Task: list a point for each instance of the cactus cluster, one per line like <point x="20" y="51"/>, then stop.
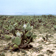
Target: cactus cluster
<point x="23" y="38"/>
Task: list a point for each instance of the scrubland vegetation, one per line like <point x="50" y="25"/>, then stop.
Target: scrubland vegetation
<point x="17" y="32"/>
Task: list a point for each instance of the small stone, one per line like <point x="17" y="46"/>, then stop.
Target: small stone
<point x="47" y="43"/>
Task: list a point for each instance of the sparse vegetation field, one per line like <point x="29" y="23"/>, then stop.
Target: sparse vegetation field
<point x="28" y="35"/>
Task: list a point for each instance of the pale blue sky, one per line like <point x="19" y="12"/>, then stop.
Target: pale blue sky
<point x="24" y="7"/>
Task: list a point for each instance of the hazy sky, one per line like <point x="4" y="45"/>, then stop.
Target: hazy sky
<point x="13" y="7"/>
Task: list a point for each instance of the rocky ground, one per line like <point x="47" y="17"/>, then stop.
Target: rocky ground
<point x="40" y="47"/>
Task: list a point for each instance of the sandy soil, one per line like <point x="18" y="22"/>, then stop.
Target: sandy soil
<point x="40" y="47"/>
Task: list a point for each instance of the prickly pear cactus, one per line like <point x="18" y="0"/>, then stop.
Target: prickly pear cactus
<point x="17" y="40"/>
<point x="28" y="34"/>
<point x="23" y="38"/>
<point x="15" y="46"/>
<point x="28" y="27"/>
<point x="7" y="37"/>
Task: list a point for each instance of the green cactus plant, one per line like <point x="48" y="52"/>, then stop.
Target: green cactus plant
<point x="22" y="38"/>
<point x="15" y="46"/>
<point x="28" y="28"/>
<point x="7" y="37"/>
<point x="27" y="34"/>
<point x="17" y="40"/>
